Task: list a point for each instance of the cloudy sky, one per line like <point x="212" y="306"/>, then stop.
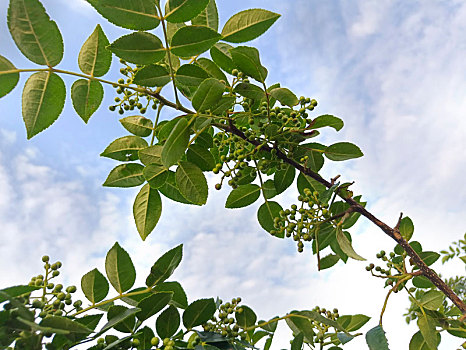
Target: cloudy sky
<point x="394" y="71"/>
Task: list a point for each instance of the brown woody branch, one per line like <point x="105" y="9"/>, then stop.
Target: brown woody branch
<point x="391" y="232"/>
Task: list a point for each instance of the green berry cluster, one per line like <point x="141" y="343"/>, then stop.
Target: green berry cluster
<point x="321" y="335"/>
<point x="303" y="223"/>
<point x="235" y="157"/>
<point x="130" y="99"/>
<point x="392" y="272"/>
<point x="224" y="322"/>
<point x="54" y="298"/>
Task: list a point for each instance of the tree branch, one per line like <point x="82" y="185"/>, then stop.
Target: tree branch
<point x="392" y="233"/>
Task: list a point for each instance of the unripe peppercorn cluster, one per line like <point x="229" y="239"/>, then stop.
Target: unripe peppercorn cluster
<point x="54" y="297"/>
<point x="393" y="272"/>
<point x="303" y="223"/>
<point x="224" y="322"/>
<point x="130" y="99"/>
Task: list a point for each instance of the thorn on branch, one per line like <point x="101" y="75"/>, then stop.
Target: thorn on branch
<point x="332" y="181"/>
<point x="397" y="227"/>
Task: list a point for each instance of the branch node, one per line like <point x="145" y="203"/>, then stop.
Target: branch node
<point x="397" y="226"/>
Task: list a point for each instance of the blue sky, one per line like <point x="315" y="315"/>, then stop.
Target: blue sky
<point x="394" y="71"/>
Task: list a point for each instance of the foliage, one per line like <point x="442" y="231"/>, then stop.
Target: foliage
<point x="255" y="136"/>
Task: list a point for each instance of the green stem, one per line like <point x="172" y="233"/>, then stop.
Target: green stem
<point x="172" y="74"/>
<point x="93" y="306"/>
<point x="155" y="124"/>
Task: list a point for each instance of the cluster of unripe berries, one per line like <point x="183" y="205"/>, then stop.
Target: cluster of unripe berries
<point x="301" y="223"/>
<point x="393" y="262"/>
<point x="235" y="155"/>
<point x="224" y="323"/>
<point x="322" y="328"/>
<point x="54" y="297"/>
<point x="130" y="99"/>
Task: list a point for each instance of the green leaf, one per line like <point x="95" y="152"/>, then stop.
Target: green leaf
<point x="376" y="339"/>
<point x="7" y="81"/>
<point x="297" y="343"/>
<point x="118" y="317"/>
<point x="179" y="298"/>
<point x="176" y="144"/>
<point x="427" y="327"/>
<point x="344" y="338"/>
<point x="247" y="60"/>
<point x="184" y="10"/>
<point x="266" y="213"/>
<point x="151" y="154"/>
<point x="299" y="324"/>
<point x="284" y="178"/>
<point x="221" y="55"/>
<point x="192" y="183"/>
<point x="211" y="68"/>
<point x="87" y="96"/>
<point x="164" y="266"/>
<point x="139" y="48"/>
<point x="308" y="182"/>
<point x="168" y="322"/>
<point x="130" y="14"/>
<point x="406" y="228"/>
<point x="125" y="319"/>
<point x="65" y="324"/>
<point x="119" y="268"/>
<point x="327" y="120"/>
<point x="125" y="148"/>
<point x="94" y="59"/>
<point x="137" y="125"/>
<point x="225" y="103"/>
<point x="432" y="300"/>
<point x="145" y="336"/>
<point x="346" y="246"/>
<point x="208" y="17"/>
<point x="284" y="96"/>
<point x="43" y="100"/>
<point x="250" y="91"/>
<point x="153" y="304"/>
<point x="429" y="257"/>
<point x="34" y="33"/>
<point x="95" y="286"/>
<point x="198" y="312"/>
<point x="328" y="261"/>
<point x="152" y="75"/>
<point x="246" y="318"/>
<point x="201" y="157"/>
<point x="342" y="151"/>
<point x="243" y="196"/>
<point x="147" y="209"/>
<point x="247" y="25"/>
<point x="16" y="291"/>
<point x="156" y="175"/>
<point x="188" y="78"/>
<point x="418" y="343"/>
<point x="422" y="282"/>
<point x="269" y="189"/>
<point x="353" y="322"/>
<point x="170" y="189"/>
<point x="193" y="40"/>
<point x="208" y="94"/>
<point x="313" y="152"/>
